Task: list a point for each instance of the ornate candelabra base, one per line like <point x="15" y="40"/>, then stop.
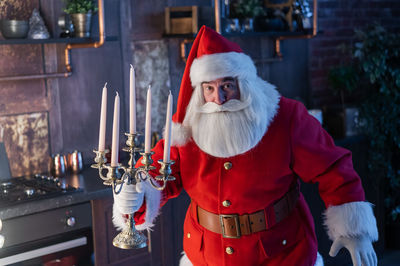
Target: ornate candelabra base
<point x="130" y="238"/>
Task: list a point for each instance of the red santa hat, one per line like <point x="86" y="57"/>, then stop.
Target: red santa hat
<point x="211" y="57"/>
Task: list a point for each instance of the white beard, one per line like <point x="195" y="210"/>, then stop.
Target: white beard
<point x="236" y="126"/>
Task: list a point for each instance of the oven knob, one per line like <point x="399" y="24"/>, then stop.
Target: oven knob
<point x="1" y="241"/>
<point x="71" y="221"/>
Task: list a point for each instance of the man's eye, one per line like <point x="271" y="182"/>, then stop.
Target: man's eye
<point x="228" y="86"/>
<point x="209" y="88"/>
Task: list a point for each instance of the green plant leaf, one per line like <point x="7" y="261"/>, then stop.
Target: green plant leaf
<point x="376" y="55"/>
<point x="79" y="6"/>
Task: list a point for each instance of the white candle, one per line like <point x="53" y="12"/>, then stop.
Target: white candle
<point x="168" y="120"/>
<point x="115" y="134"/>
<point x="132" y="101"/>
<point x="147" y="135"/>
<point x="103" y="119"/>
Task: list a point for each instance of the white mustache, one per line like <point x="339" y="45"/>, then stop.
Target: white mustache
<point x="230" y="106"/>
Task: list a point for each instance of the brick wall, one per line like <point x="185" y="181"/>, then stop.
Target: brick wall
<point x="337" y="20"/>
<point x="40" y="117"/>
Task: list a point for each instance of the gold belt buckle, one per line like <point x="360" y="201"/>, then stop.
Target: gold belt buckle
<point x="237" y="224"/>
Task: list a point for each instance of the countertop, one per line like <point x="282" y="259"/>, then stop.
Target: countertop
<point x="88" y="180"/>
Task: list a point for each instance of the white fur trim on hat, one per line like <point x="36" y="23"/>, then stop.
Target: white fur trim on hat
<point x="153" y="200"/>
<point x="184" y="261"/>
<point x="215" y="66"/>
<point x="351" y="220"/>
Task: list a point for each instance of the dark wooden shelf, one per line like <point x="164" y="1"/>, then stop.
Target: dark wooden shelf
<point x="54" y="40"/>
<point x="184" y="36"/>
<point x="271" y="34"/>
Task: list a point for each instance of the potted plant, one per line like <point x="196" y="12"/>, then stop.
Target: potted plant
<point x="341" y="119"/>
<point x="247" y="11"/>
<point x="378" y="58"/>
<point x="15" y="19"/>
<point x="375" y="69"/>
<point x="81" y="14"/>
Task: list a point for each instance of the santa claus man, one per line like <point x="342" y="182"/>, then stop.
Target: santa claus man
<point x="240" y="149"/>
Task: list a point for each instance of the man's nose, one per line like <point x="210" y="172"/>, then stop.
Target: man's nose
<point x="220" y="97"/>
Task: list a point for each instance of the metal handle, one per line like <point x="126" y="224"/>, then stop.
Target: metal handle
<point x="1" y="241"/>
<point x="43" y="251"/>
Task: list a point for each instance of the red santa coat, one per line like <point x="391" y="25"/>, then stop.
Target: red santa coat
<point x="295" y="145"/>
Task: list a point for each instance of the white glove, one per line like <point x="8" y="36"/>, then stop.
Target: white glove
<point x="129" y="199"/>
<point x="360" y="248"/>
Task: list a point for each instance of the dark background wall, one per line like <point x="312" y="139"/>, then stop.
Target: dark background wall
<point x="337" y="21"/>
<point x="66" y="108"/>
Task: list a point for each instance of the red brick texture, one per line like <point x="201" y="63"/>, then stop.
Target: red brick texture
<point x="337" y="20"/>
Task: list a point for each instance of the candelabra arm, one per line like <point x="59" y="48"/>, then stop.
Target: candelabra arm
<point x="102" y="176"/>
<point x="156" y="185"/>
<point x="115" y="189"/>
<point x="100" y="158"/>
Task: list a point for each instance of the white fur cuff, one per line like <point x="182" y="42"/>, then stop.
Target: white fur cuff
<point x="153" y="200"/>
<point x="351" y="220"/>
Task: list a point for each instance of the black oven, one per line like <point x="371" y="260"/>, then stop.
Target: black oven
<point x="56" y="237"/>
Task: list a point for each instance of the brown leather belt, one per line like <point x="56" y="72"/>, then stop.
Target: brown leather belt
<point x="234" y="225"/>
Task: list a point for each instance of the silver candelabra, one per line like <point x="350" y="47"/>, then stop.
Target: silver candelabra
<point x="118" y="176"/>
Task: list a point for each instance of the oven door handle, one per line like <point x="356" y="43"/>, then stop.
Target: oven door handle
<point x="43" y="251"/>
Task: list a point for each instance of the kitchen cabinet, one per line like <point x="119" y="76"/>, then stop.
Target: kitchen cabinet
<point x="104" y="232"/>
<point x="165" y="245"/>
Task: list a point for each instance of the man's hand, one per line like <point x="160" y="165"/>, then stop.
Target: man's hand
<point x="129" y="199"/>
<point x="360" y="248"/>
